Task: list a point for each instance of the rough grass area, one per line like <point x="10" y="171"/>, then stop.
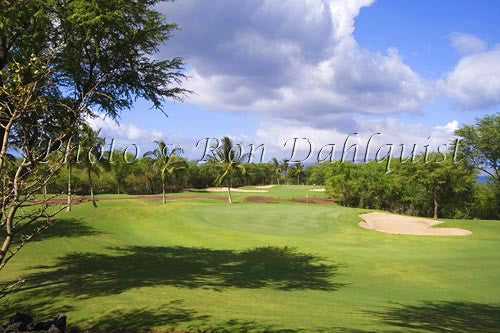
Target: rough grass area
<point x="264" y="267"/>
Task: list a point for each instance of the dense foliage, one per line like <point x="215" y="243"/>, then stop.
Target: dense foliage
<point x="444" y="189"/>
<point x="440" y="188"/>
<point x="432" y="184"/>
<point x="61" y="62"/>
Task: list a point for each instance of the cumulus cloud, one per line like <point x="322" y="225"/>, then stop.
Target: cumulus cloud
<point x="127" y="132"/>
<point x="124" y="135"/>
<point x="296" y="60"/>
<point x="129" y="135"/>
<point x="450" y="127"/>
<point x="383" y="131"/>
<point x="297" y="64"/>
<point x="467" y="43"/>
<point x="475" y="81"/>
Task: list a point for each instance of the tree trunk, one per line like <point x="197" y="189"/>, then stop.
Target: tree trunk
<point x="163" y="192"/>
<point x="436" y="207"/>
<point x="9" y="235"/>
<point x="92" y="197"/>
<point x="9" y="221"/>
<point x="68" y="209"/>
<point x="229" y="197"/>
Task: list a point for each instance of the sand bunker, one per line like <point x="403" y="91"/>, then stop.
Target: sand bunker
<point x="264" y="186"/>
<point x="317" y="190"/>
<point x="405" y="225"/>
<point x="224" y="189"/>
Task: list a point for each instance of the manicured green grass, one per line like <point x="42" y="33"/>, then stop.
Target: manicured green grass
<point x="277" y="191"/>
<point x="264" y="267"/>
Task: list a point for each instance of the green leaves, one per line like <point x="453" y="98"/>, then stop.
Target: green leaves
<point x="164" y="162"/>
<point x="412" y="188"/>
<point x="228" y="157"/>
<point x="106" y="49"/>
<point x="480" y="144"/>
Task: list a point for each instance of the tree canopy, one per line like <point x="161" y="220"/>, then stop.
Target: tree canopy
<point x="480" y="144"/>
<point x="61" y="62"/>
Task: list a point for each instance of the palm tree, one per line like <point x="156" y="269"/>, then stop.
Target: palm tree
<point x="229" y="162"/>
<point x="166" y="164"/>
<point x="93" y="162"/>
<point x="276" y="168"/>
<point x="119" y="167"/>
<point x="284" y="168"/>
<point x="297" y="170"/>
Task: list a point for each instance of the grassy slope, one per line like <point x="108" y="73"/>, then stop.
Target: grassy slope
<point x="244" y="267"/>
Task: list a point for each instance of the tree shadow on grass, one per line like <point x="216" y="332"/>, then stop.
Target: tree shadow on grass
<point x="63" y="228"/>
<point x="144" y="319"/>
<point x="434" y="317"/>
<point x="170" y="315"/>
<point x="444" y="317"/>
<point x="242" y="326"/>
<point x="91" y="274"/>
<point x="139" y="320"/>
<point x="41" y="310"/>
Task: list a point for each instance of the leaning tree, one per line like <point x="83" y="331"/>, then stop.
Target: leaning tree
<point x="166" y="163"/>
<point x="61" y="62"/>
<point x="228" y="157"/>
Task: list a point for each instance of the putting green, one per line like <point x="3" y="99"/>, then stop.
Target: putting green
<point x="267" y="219"/>
<point x="263" y="267"/>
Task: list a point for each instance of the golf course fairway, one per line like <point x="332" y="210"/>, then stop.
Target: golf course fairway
<point x="203" y="264"/>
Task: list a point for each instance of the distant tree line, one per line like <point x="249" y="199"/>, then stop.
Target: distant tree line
<point x="445" y="189"/>
<point x="149" y="174"/>
<point x="431" y="184"/>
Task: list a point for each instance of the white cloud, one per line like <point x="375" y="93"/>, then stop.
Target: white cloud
<point x="466" y="43"/>
<point x="124" y="133"/>
<point x="127" y="134"/>
<point x="450" y="127"/>
<point x="291" y="59"/>
<point x="392" y="131"/>
<point x="297" y="64"/>
<point x="475" y="81"/>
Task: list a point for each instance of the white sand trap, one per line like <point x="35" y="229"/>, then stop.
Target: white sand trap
<point x="405" y="225"/>
<point x="317" y="190"/>
<point x="224" y="189"/>
<point x="264" y="186"/>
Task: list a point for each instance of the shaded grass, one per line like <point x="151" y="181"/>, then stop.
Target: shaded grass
<point x="92" y="275"/>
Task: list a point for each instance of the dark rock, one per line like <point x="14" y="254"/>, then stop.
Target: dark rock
<point x="20" y="318"/>
<point x="20" y="323"/>
<point x="42" y="325"/>
<point x="16" y="327"/>
<point x="60" y="322"/>
<point x="54" y="329"/>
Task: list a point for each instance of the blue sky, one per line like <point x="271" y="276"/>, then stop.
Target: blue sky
<point x="264" y="71"/>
